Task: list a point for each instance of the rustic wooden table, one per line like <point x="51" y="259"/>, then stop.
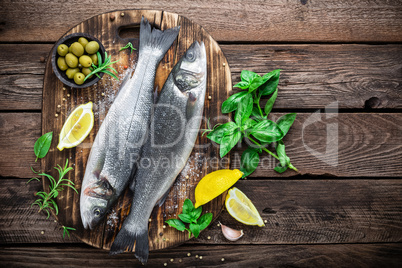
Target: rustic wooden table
<point x="343" y="212"/>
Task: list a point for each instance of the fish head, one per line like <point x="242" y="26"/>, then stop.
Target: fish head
<point x="95" y="201"/>
<point x="191" y="71"/>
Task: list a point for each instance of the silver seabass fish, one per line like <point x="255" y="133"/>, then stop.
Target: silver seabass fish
<point x="174" y="129"/>
<point x="119" y="140"/>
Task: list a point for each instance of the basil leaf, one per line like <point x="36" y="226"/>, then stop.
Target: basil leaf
<point x="175" y="223"/>
<point x="256" y="83"/>
<point x="256" y="113"/>
<point x="195" y="229"/>
<point x="187" y="206"/>
<point x="42" y="145"/>
<point x="195" y="214"/>
<point x="248" y="76"/>
<point x="205" y="220"/>
<point x="280" y="151"/>
<point x="230" y="104"/>
<point x="244" y="109"/>
<point x="249" y="161"/>
<point x="285" y="122"/>
<point x="249" y="123"/>
<point x="271" y="84"/>
<point x="218" y="133"/>
<point x="242" y="85"/>
<point x="280" y="169"/>
<point x="228" y="142"/>
<point x="270" y="102"/>
<point x="267" y="131"/>
<point x="185" y="217"/>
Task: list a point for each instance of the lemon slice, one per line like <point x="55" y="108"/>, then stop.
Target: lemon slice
<point x="214" y="184"/>
<point x="77" y="126"/>
<point x="242" y="209"/>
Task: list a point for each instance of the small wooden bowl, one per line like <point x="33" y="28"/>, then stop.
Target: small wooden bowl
<point x="61" y="75"/>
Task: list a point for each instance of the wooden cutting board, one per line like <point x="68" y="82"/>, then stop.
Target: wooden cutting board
<point x="57" y="99"/>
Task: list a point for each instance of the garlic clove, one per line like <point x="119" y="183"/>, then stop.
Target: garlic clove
<point x="231" y="234"/>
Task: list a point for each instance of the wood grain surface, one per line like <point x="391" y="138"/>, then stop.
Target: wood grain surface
<point x="218" y="85"/>
<point x="234" y="21"/>
<point x="342" y="255"/>
<point x="313" y="75"/>
<point x="369" y="145"/>
<point x="297" y="212"/>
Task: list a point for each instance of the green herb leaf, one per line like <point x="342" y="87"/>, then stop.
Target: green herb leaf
<point x="205" y="220"/>
<point x="285" y="122"/>
<point x="129" y="45"/>
<point x="195" y="229"/>
<point x="248" y="76"/>
<point x="195" y="214"/>
<point x="256" y="114"/>
<point x="249" y="161"/>
<point x="256" y="83"/>
<point x="176" y="223"/>
<point x="104" y="67"/>
<point x="185" y="218"/>
<point x="280" y="150"/>
<point x="245" y="107"/>
<point x="249" y="123"/>
<point x="228" y="142"/>
<point x="270" y="102"/>
<point x="42" y="145"/>
<point x="272" y="83"/>
<point x="242" y="85"/>
<point x="280" y="169"/>
<point x="187" y="206"/>
<point x="223" y="130"/>
<point x="231" y="103"/>
<point x="267" y="131"/>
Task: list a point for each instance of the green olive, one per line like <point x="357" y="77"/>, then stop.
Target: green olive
<point x="79" y="78"/>
<point x="71" y="60"/>
<point x="94" y="58"/>
<point x="62" y="50"/>
<point x="86" y="71"/>
<point x="85" y="61"/>
<point x="79" y="64"/>
<point x="92" y="47"/>
<point x="61" y="63"/>
<point x="70" y="49"/>
<point x="71" y="72"/>
<point x="83" y="41"/>
<point x="77" y="49"/>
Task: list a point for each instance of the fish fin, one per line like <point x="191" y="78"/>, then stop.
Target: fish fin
<point x="125" y="241"/>
<point x="163" y="198"/>
<point x="156" y="39"/>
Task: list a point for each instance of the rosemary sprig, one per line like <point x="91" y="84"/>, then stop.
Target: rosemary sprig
<point x="46" y="200"/>
<point x="66" y="230"/>
<point x="129" y="45"/>
<point x="103" y="67"/>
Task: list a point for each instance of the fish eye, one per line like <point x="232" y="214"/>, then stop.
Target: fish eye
<point x="190" y="56"/>
<point x="97" y="212"/>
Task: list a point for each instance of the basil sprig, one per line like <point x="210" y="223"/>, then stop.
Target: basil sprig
<point x="191" y="216"/>
<point x="251" y="122"/>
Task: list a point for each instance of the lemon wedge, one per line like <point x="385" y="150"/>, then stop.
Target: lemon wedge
<point x="77" y="126"/>
<point x="214" y="184"/>
<point x="242" y="209"/>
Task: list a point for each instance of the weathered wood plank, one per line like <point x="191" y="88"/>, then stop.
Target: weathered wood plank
<point x="297" y="212"/>
<point x="280" y="20"/>
<point x="18" y="133"/>
<point x="349" y="255"/>
<point x="369" y="144"/>
<point x="343" y="145"/>
<point x="312" y="75"/>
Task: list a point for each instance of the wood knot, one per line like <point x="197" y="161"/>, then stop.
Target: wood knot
<point x="372" y="103"/>
<point x="303" y="2"/>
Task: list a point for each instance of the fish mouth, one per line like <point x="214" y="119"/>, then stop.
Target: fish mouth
<point x="87" y="224"/>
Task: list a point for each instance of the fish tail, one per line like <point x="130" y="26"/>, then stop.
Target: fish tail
<point x="156" y="39"/>
<point x="125" y="240"/>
